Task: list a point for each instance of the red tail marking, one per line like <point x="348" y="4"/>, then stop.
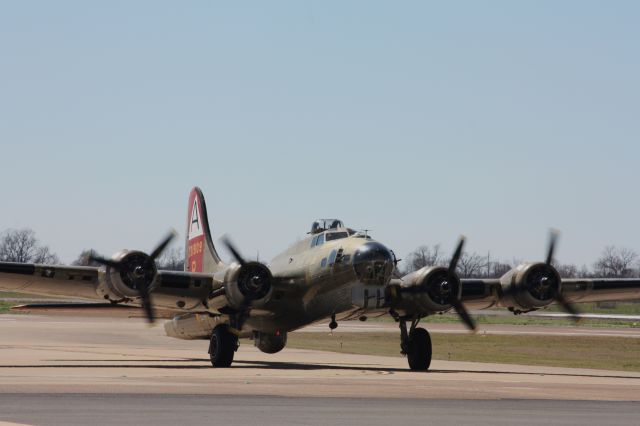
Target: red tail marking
<point x="195" y="234"/>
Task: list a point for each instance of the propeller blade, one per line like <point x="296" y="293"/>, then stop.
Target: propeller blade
<point x="456" y="302"/>
<point x="163" y="245"/>
<point x="464" y="315"/>
<point x="147" y="305"/>
<point x="553" y="239"/>
<point x="103" y="261"/>
<point x="559" y="298"/>
<point x="234" y="252"/>
<point x="237" y="320"/>
<point x="456" y="256"/>
<point x="568" y="307"/>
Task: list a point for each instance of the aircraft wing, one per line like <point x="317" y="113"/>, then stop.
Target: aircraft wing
<point x="487" y="293"/>
<point x="526" y="288"/>
<point x="176" y="291"/>
<point x="65" y="281"/>
<point x="579" y="290"/>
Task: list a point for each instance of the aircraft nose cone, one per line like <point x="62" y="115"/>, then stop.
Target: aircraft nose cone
<point x="373" y="263"/>
<point x="371" y="252"/>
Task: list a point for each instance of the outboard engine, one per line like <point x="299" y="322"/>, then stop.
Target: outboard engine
<point x="530" y="286"/>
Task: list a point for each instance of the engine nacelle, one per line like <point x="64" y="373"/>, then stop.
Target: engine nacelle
<point x="429" y="290"/>
<point x="530" y="286"/>
<point x="119" y="285"/>
<point x="248" y="284"/>
<point x="270" y="343"/>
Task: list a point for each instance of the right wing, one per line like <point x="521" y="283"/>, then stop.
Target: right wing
<point x="177" y="291"/>
<point x="57" y="281"/>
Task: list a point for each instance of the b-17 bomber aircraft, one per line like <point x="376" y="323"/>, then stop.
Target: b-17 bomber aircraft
<point x="334" y="273"/>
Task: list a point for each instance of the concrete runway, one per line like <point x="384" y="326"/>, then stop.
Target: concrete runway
<point x="60" y="370"/>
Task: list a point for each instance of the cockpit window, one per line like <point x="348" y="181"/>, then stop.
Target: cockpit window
<point x="336" y="235"/>
<point x="321" y="225"/>
<point x="317" y="240"/>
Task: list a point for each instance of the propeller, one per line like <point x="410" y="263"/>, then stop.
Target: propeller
<point x="234" y="251"/>
<point x="558" y="296"/>
<point x="456" y="302"/>
<point x="254" y="280"/>
<point x="139" y="270"/>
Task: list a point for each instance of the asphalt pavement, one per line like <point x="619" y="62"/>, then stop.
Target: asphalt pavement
<point x="142" y="410"/>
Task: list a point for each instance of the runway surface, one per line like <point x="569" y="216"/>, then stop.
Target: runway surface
<point x="152" y="410"/>
<point x="64" y="369"/>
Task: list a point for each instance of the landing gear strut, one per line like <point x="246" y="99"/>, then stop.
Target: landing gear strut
<point x="333" y="324"/>
<point x="416" y="345"/>
<point x="222" y="346"/>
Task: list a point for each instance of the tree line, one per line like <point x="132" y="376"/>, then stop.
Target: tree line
<point x="614" y="262"/>
<point x="21" y="245"/>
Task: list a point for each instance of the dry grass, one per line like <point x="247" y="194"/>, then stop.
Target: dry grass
<point x="5" y="307"/>
<point x="611" y="353"/>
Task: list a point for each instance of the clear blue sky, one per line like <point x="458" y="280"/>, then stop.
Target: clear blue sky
<point x="419" y="120"/>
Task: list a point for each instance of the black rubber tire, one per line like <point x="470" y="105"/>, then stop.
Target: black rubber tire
<point x="419" y="355"/>
<point x="222" y="347"/>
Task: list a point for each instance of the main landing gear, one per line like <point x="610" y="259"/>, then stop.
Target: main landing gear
<point x="416" y="345"/>
<point x="223" y="346"/>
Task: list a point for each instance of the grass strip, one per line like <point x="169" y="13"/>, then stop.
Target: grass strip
<point x="451" y="318"/>
<point x="609" y="353"/>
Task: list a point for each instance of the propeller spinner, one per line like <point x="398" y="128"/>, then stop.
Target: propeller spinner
<point x="139" y="270"/>
<point x="254" y="282"/>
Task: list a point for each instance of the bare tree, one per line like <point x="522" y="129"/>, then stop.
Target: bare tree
<point x="566" y="270"/>
<point x="584" y="272"/>
<point x="424" y="256"/>
<point x="497" y="269"/>
<point x="471" y="265"/>
<point x="615" y="262"/>
<point x="172" y="260"/>
<point x="21" y="245"/>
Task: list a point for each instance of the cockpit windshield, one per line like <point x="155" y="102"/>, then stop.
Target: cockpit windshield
<point x="330" y="236"/>
<point x="321" y="225"/>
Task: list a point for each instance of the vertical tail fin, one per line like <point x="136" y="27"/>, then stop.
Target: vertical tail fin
<point x="200" y="253"/>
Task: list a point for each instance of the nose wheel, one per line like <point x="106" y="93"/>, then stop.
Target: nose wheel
<point x="416" y="345"/>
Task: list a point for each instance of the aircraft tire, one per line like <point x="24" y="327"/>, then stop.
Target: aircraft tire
<point x="419" y="355"/>
<point x="222" y="347"/>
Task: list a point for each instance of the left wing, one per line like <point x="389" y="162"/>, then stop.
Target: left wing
<point x="527" y="287"/>
<point x="422" y="294"/>
<point x="488" y="293"/>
